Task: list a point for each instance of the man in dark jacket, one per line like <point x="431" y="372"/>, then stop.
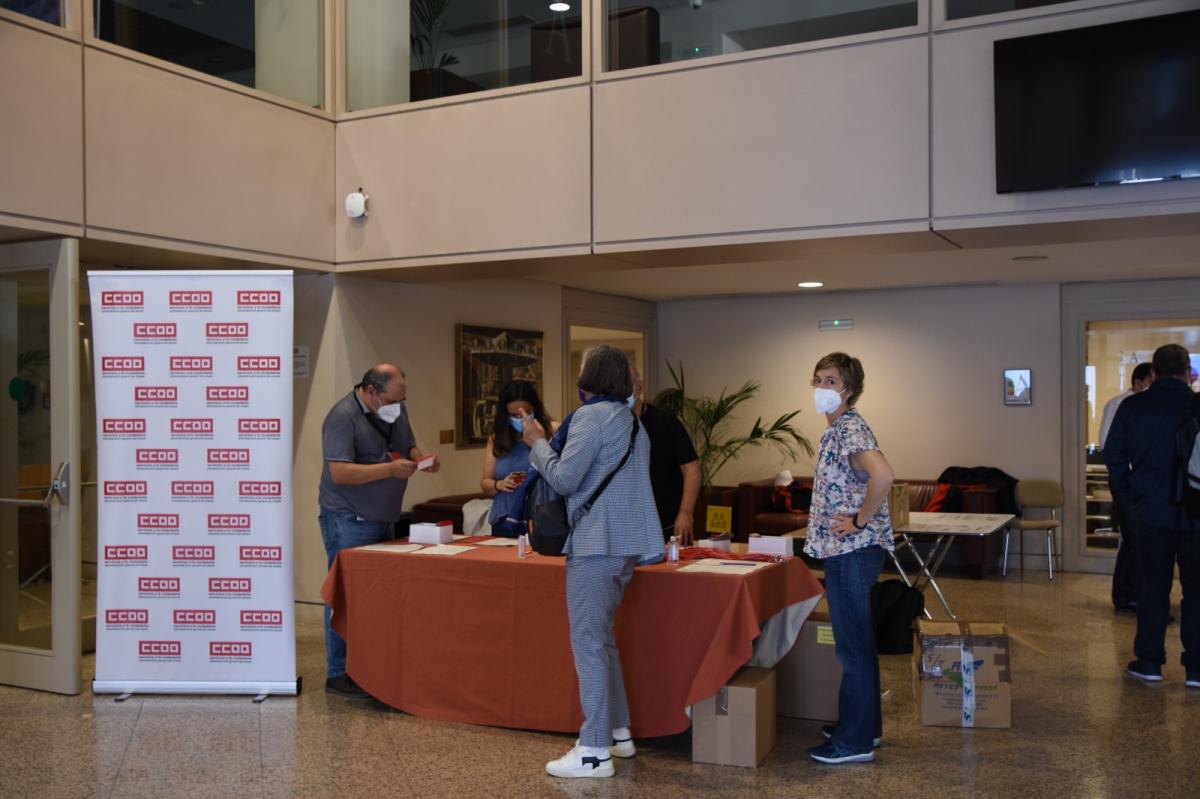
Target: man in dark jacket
<point x="1142" y="465"/>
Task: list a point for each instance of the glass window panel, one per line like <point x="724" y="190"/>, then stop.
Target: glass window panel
<point x="272" y="45"/>
<point x="960" y="9"/>
<point x="399" y="52"/>
<point x="45" y="10"/>
<point x="642" y="32"/>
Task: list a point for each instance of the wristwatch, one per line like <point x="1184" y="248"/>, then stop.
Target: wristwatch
<point x="857" y="526"/>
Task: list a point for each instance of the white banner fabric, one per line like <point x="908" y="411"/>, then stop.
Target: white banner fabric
<point x="194" y="457"/>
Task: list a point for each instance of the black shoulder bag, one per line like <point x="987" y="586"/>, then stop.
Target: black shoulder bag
<point x="549" y="527"/>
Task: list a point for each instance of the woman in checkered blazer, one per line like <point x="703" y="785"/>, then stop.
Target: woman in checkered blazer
<point x="605" y="545"/>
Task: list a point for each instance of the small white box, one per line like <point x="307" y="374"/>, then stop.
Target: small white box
<point x="719" y="543"/>
<point x="442" y="533"/>
<point x="770" y="544"/>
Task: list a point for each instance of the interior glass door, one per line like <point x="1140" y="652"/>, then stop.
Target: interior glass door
<point x="40" y="627"/>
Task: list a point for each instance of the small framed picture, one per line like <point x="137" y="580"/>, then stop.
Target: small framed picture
<point x="1018" y="387"/>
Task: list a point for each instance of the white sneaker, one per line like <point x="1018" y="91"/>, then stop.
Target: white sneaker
<point x="579" y="762"/>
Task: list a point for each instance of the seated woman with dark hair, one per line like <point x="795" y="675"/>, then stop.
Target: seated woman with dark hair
<point x="507" y="458"/>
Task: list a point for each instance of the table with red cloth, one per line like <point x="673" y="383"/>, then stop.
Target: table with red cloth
<point x="482" y="637"/>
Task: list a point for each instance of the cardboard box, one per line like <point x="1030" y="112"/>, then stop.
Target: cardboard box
<point x="440" y="533"/>
<point x="770" y="544"/>
<point x="961" y="674"/>
<point x="898" y="504"/>
<point x="719" y="542"/>
<point x="736" y="726"/>
<point x="809" y="676"/>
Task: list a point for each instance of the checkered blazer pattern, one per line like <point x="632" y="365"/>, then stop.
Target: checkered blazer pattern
<point x="624" y="520"/>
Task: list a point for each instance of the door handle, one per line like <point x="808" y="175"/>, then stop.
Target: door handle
<point x="59" y="487"/>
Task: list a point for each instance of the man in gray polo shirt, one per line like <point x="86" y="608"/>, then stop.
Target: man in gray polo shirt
<point x="369" y="452"/>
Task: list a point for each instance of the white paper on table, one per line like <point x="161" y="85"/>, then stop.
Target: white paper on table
<point x="712" y="566"/>
<point x="444" y="549"/>
<point x="390" y="547"/>
<point x="498" y="542"/>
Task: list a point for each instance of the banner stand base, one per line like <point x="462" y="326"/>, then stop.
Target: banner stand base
<point x="197" y="687"/>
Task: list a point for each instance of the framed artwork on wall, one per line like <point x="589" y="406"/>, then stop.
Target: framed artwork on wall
<point x="1018" y="387"/>
<point x="486" y="359"/>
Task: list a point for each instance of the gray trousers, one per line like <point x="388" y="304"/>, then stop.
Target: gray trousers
<point x="595" y="585"/>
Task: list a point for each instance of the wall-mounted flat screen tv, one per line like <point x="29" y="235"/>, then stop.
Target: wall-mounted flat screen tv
<point x="1110" y="104"/>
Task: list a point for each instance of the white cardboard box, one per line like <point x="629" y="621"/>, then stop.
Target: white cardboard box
<point x="431" y="533"/>
<point x="770" y="544"/>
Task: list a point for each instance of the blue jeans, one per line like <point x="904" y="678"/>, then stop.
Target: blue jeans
<point x="341" y="531"/>
<point x="848" y="581"/>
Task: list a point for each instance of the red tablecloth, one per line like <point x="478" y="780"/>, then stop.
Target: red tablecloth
<point x="482" y="637"/>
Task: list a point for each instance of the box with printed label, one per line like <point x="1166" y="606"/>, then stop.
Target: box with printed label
<point x="898" y="504"/>
<point x="962" y="675"/>
<point x="442" y="533"/>
<point x="736" y="726"/>
<point x="809" y="675"/>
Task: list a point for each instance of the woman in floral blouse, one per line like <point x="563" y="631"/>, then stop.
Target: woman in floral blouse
<point x="849" y="528"/>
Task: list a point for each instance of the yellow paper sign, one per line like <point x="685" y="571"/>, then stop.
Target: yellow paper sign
<point x="825" y="634"/>
<point x="719" y="519"/>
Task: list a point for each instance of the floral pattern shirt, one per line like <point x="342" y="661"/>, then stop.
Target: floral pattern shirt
<point x="839" y="489"/>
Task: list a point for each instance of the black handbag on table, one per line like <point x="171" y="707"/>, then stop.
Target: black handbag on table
<point x="549" y="527"/>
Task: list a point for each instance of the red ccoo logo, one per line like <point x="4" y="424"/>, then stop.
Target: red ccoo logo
<point x="190" y="299"/>
<point x="228" y="522"/>
<point x="126" y="427"/>
<point x="191" y="426"/>
<point x="191" y="488"/>
<point x="229" y="649"/>
<point x="260" y="427"/>
<point x="228" y="394"/>
<point x="262" y="618"/>
<point x="150" y="457"/>
<point x="227" y="329"/>
<point x="126" y="616"/>
<point x="158" y="521"/>
<point x="191" y="363"/>
<point x="262" y="364"/>
<point x="111" y="300"/>
<point x="260" y="298"/>
<point x="160" y="648"/>
<point x="158" y="585"/>
<point x="260" y="488"/>
<point x="128" y="553"/>
<point x="229" y="456"/>
<point x="229" y="585"/>
<point x="194" y="552"/>
<point x="189" y="617"/>
<point x="154" y="330"/>
<point x="125" y="488"/>
<point x="155" y="393"/>
<point x="261" y="554"/>
<point x="122" y="364"/>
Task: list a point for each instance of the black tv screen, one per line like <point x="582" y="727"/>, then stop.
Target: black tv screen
<point x="1115" y="103"/>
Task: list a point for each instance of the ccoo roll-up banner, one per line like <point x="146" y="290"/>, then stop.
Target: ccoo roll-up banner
<point x="194" y="438"/>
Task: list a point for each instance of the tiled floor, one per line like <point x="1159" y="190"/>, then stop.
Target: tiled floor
<point x="1080" y="729"/>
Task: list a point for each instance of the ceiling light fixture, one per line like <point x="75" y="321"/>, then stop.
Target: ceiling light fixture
<point x="560" y="6"/>
<point x="810" y="284"/>
<point x="1024" y="258"/>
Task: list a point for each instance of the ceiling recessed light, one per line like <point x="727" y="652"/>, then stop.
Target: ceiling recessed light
<point x="560" y="6"/>
<point x="1031" y="258"/>
<point x="810" y="284"/>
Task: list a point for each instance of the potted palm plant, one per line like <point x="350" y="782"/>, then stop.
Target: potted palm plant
<point x="708" y="421"/>
<point x="429" y="77"/>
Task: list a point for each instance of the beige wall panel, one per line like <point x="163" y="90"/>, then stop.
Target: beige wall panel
<point x="964" y="136"/>
<point x="816" y="139"/>
<point x="41" y="125"/>
<point x="504" y="174"/>
<point x="933" y="358"/>
<point x="363" y="321"/>
<point x="173" y="157"/>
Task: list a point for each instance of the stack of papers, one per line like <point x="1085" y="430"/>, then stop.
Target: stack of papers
<point x="499" y="542"/>
<point x="710" y="566"/>
<point x="444" y="549"/>
<point x="391" y="548"/>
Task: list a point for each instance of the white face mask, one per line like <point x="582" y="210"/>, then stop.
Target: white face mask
<point x="389" y="413"/>
<point x="827" y="400"/>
